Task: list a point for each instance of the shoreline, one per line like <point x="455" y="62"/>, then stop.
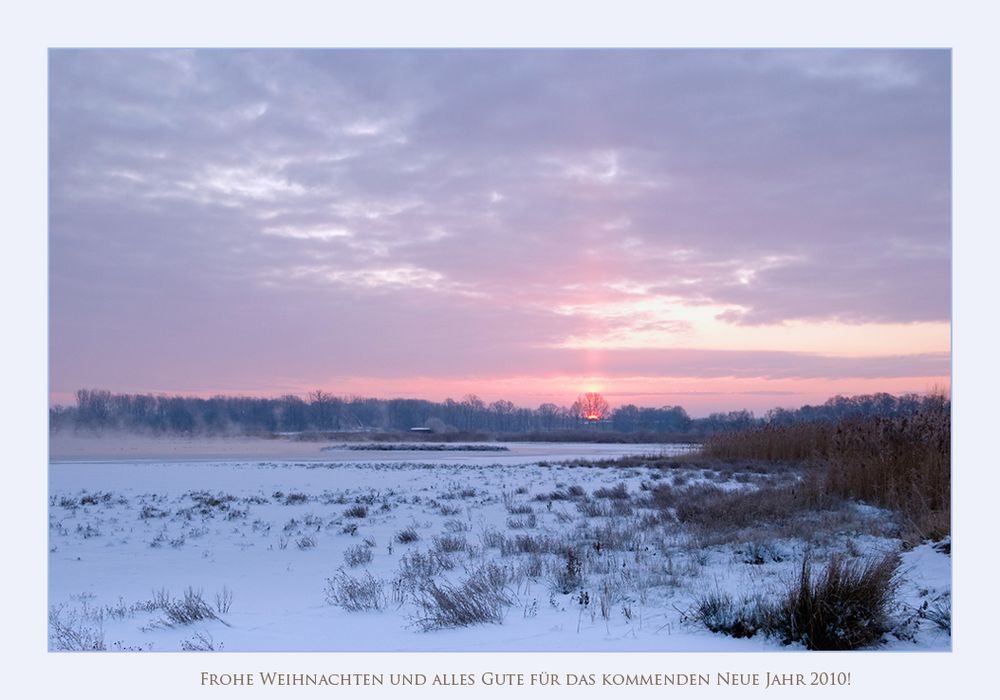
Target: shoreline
<point x="129" y="447"/>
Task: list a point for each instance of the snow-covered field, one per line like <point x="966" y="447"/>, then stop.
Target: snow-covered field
<point x="190" y="550"/>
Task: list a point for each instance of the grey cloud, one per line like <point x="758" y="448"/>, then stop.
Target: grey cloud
<point x="170" y="172"/>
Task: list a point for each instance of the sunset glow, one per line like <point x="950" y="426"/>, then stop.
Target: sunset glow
<point x="717" y="230"/>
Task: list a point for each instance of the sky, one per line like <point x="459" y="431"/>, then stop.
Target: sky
<point x="707" y="228"/>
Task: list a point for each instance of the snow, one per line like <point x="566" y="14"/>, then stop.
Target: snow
<point x="272" y="531"/>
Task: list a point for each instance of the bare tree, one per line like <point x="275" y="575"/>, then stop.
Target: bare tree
<point x="593" y="407"/>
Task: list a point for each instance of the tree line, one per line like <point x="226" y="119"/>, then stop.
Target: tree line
<point x="97" y="410"/>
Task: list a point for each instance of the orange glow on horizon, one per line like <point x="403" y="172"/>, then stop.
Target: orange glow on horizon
<point x="698" y="395"/>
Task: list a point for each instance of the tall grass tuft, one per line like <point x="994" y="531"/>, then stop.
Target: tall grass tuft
<point x="846" y="606"/>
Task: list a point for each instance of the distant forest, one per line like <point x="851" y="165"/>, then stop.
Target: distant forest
<point x="98" y="410"/>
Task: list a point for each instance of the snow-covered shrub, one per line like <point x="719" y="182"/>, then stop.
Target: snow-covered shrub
<point x="407" y="535"/>
<point x="518" y="508"/>
<point x="614" y="535"/>
<point x="416" y="568"/>
<point x="938" y="611"/>
<point x="531" y="566"/>
<point x="718" y="612"/>
<point x="609" y="595"/>
<point x="533" y="544"/>
<point x="354" y="594"/>
<point x="202" y="641"/>
<point x="356" y="511"/>
<point x="357" y="555"/>
<point x="68" y="631"/>
<point x="568" y="574"/>
<point x="618" y="491"/>
<point x="223" y="600"/>
<point x="418" y="565"/>
<point x="593" y="509"/>
<point x="456" y="526"/>
<point x="491" y="538"/>
<point x="529" y="521"/>
<point x="450" y="543"/>
<point x="482" y="597"/>
<point x="185" y="610"/>
<point x="447" y="510"/>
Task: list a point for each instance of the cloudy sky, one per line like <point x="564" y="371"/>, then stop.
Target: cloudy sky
<point x="714" y="229"/>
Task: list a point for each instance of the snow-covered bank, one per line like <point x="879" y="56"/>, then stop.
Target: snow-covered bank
<point x="266" y="543"/>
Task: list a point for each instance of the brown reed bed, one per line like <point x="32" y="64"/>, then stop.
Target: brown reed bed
<point x="773" y="443"/>
<point x="899" y="463"/>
